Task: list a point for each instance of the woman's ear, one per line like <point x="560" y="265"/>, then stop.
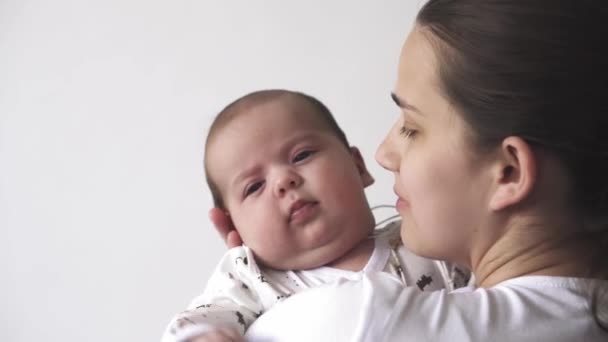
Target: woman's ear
<point x="514" y="173"/>
<point x="366" y="177"/>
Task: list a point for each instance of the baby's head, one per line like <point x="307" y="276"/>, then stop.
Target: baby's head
<point x="277" y="162"/>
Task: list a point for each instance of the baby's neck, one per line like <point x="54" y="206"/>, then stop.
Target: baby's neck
<point x="355" y="259"/>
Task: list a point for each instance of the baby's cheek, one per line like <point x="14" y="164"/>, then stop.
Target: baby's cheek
<point x="246" y="226"/>
<point x="259" y="230"/>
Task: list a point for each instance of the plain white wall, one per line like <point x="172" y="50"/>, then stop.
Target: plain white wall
<point x="104" y="106"/>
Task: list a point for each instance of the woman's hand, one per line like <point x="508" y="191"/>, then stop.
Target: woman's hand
<point x="223" y="224"/>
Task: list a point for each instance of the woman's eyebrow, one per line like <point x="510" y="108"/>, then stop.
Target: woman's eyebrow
<point x="401" y="103"/>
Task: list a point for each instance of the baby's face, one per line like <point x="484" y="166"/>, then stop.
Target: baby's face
<point x="293" y="190"/>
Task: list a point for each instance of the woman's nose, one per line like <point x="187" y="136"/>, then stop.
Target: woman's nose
<point x="285" y="181"/>
<point x="386" y="155"/>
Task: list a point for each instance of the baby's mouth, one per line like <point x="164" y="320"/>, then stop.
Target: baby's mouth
<point x="301" y="210"/>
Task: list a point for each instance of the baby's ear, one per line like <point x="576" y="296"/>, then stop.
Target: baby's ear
<point x="366" y="177"/>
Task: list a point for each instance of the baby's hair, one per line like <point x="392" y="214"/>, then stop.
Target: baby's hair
<point x="246" y="103"/>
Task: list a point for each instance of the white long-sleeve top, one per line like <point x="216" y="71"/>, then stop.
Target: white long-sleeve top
<point x="376" y="308"/>
<point x="239" y="290"/>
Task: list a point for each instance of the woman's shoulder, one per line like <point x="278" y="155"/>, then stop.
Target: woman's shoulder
<point x="543" y="282"/>
<point x="525" y="308"/>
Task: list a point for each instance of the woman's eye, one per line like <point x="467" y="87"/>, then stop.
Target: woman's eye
<point x="406" y="132"/>
<point x="253" y="188"/>
<point x="302" y="155"/>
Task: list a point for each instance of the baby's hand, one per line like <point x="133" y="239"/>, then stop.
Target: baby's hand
<point x="219" y="335"/>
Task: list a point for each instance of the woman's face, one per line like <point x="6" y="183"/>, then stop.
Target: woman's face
<point x="440" y="184"/>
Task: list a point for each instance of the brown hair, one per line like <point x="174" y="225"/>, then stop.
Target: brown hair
<point x="246" y="103"/>
<point x="534" y="69"/>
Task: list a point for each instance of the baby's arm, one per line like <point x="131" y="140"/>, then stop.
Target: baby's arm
<point x="227" y="307"/>
<point x="219" y="335"/>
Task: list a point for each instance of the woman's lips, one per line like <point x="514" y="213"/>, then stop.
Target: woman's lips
<point x="401" y="204"/>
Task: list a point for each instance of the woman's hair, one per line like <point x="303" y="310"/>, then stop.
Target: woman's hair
<point x="534" y="69"/>
<point x="246" y="103"/>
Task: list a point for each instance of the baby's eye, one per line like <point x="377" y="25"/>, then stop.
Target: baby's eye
<point x="253" y="188"/>
<point x="302" y="155"/>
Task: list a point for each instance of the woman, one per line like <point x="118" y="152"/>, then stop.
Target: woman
<point x="500" y="157"/>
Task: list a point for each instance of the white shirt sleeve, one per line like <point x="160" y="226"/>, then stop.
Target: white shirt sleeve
<point x="312" y="315"/>
<point x="229" y="299"/>
<point x="378" y="308"/>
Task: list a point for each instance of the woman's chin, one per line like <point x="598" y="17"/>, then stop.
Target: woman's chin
<point x="412" y="243"/>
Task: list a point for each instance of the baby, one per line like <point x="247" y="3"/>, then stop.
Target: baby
<point x="280" y="166"/>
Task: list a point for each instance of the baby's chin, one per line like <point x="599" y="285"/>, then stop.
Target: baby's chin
<point x="325" y="255"/>
<point x="304" y="261"/>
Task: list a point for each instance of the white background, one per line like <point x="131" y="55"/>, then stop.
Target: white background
<point x="104" y="107"/>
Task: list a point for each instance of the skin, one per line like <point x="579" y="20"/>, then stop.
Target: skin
<point x="503" y="214"/>
<point x="439" y="185"/>
<point x="279" y="154"/>
<point x="225" y="227"/>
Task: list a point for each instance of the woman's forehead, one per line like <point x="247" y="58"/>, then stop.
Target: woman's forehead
<point x="417" y="71"/>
